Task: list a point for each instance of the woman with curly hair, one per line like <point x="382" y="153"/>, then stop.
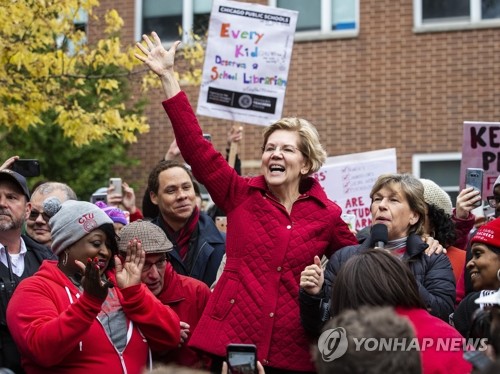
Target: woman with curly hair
<point x="450" y="227"/>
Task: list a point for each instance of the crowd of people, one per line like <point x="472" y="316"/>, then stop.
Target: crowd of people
<point x="111" y="287"/>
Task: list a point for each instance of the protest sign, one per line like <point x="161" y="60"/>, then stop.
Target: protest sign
<point x="348" y="180"/>
<point x="481" y="149"/>
<point x="246" y="62"/>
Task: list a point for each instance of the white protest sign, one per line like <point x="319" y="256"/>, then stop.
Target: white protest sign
<point x="348" y="180"/>
<point x="246" y="62"/>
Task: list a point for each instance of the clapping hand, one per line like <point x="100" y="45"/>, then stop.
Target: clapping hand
<point x="129" y="272"/>
<point x="91" y="281"/>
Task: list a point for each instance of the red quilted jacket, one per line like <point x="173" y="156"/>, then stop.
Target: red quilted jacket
<point x="256" y="298"/>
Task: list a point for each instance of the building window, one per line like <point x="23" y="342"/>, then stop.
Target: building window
<point x="167" y="18"/>
<point x="442" y="15"/>
<point x="320" y="18"/>
<point x="442" y="168"/>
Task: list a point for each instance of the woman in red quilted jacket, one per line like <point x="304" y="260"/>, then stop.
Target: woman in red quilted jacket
<point x="277" y="223"/>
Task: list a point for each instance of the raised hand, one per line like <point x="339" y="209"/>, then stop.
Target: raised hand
<point x="465" y="202"/>
<point x="91" y="281"/>
<point x="159" y="60"/>
<point x="9" y="162"/>
<point x="129" y="272"/>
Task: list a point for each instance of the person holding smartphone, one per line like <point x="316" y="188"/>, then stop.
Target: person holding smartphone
<point x="277" y="223"/>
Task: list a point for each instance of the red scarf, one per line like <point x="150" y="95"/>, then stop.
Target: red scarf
<point x="181" y="237"/>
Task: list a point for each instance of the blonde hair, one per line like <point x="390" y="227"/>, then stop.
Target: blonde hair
<point x="310" y="145"/>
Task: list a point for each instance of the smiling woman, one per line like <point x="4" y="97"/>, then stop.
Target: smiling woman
<point x="277" y="223"/>
<point x="73" y="306"/>
<point x="484" y="269"/>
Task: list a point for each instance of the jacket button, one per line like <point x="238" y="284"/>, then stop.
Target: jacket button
<point x="278" y="268"/>
<point x="232" y="301"/>
<point x="289" y="227"/>
<point x="265" y="362"/>
<point x="271" y="314"/>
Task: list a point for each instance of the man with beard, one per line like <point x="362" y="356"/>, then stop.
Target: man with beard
<point x="20" y="256"/>
<point x="198" y="245"/>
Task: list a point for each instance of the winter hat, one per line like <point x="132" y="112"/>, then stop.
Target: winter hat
<point x="152" y="237"/>
<point x="116" y="215"/>
<point x="489" y="234"/>
<point x="71" y="221"/>
<point x="17" y="179"/>
<point x="433" y="194"/>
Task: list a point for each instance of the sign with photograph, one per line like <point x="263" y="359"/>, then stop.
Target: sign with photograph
<point x="246" y="62"/>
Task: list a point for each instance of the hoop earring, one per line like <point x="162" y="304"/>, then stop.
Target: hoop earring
<point x="498" y="275"/>
<point x="66" y="255"/>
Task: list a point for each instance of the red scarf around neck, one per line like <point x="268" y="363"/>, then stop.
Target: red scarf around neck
<point x="182" y="236"/>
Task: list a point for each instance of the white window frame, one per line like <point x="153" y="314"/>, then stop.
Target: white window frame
<point x="417" y="160"/>
<point x="452" y="24"/>
<point x="187" y="20"/>
<point x="326" y="32"/>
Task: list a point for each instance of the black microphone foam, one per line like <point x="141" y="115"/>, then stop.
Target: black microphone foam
<point x="379" y="235"/>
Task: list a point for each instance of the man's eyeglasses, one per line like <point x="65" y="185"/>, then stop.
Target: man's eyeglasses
<point x="493" y="201"/>
<point x="35" y="213"/>
<point x="160" y="264"/>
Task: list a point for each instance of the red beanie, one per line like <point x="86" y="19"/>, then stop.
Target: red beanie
<point x="488" y="234"/>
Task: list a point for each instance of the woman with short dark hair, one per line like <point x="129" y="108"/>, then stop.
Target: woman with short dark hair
<point x="377" y="278"/>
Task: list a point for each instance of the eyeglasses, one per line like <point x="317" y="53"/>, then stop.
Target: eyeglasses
<point x="160" y="264"/>
<point x="286" y="149"/>
<point x="493" y="201"/>
<point x="34" y="215"/>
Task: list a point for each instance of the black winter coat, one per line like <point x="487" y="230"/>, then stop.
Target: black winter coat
<point x="434" y="276"/>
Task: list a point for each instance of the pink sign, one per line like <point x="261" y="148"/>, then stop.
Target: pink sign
<point x="481" y="149"/>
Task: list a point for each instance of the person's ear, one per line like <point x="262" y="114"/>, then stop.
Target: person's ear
<point x="153" y="197"/>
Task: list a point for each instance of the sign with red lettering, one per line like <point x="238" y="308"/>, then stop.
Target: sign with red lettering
<point x="481" y="149"/>
<point x="248" y="53"/>
<point x="348" y="180"/>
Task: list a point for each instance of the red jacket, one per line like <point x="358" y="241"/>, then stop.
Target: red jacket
<point x="56" y="329"/>
<point x="434" y="359"/>
<point x="256" y="298"/>
<point x="187" y="297"/>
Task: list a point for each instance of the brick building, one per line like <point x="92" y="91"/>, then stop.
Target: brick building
<point x="402" y="74"/>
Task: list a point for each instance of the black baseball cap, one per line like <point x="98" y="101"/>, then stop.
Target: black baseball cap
<point x="17" y="179"/>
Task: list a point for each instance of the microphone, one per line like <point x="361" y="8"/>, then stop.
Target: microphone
<point x="379" y="235"/>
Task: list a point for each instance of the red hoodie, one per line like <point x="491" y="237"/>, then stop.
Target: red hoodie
<point x="187" y="297"/>
<point x="56" y="329"/>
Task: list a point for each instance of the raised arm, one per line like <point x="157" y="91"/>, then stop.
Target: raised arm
<point x="161" y="62"/>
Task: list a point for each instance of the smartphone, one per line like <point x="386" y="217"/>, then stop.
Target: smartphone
<point x="478" y="359"/>
<point x="26" y="167"/>
<point x="474" y="178"/>
<point x="208" y="137"/>
<point x="98" y="197"/>
<point x="117" y="183"/>
<point x="242" y="358"/>
<point x="221" y="223"/>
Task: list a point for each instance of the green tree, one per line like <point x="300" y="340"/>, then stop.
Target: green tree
<point x="66" y="100"/>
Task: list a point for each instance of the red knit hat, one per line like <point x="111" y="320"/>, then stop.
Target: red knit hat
<point x="488" y="234"/>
